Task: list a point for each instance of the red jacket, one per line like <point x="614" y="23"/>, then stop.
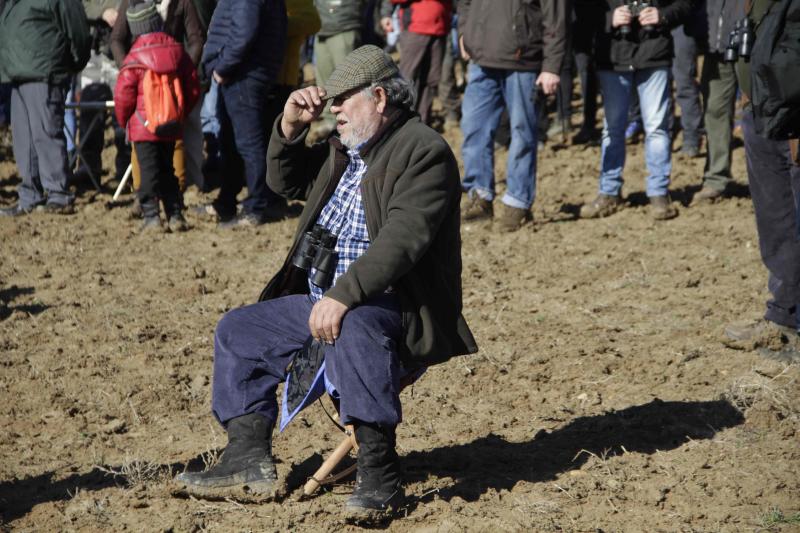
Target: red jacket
<point x="426" y="17"/>
<point x="160" y="53"/>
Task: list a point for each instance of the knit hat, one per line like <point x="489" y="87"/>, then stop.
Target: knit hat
<point x="362" y="67"/>
<point x="143" y="18"/>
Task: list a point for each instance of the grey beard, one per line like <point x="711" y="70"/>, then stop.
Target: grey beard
<point x="358" y="136"/>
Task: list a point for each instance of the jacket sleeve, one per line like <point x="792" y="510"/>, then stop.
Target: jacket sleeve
<point x="292" y="167"/>
<point x="554" y="20"/>
<point x="675" y="13"/>
<point x="422" y="196"/>
<point x="72" y="19"/>
<point x="194" y="32"/>
<point x="246" y="14"/>
<point x="121" y="35"/>
<point x="125" y="93"/>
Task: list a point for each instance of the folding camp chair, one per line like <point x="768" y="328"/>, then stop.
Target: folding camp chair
<point x="97" y="121"/>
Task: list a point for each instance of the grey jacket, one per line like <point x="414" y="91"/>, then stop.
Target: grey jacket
<point x="338" y="16"/>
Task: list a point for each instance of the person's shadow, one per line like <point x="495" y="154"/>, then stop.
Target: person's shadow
<point x="9" y="294"/>
<point x="490" y="462"/>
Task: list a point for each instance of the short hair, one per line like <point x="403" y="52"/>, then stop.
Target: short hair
<point x="399" y="92"/>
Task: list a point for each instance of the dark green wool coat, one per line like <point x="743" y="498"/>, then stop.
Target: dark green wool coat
<point x="411" y="194"/>
<point x="43" y="40"/>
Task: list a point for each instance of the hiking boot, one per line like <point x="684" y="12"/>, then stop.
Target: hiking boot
<point x="379" y="491"/>
<point x="16" y="211"/>
<point x="586" y="136"/>
<point x="690" y="149"/>
<point x="206" y="211"/>
<point x="761" y="333"/>
<point x="59" y="209"/>
<point x="246" y="471"/>
<point x="275" y="211"/>
<point x="242" y="220"/>
<point x="707" y="195"/>
<point x="177" y="223"/>
<point x="151" y="224"/>
<point x="512" y="218"/>
<point x="661" y="208"/>
<point x="136" y="209"/>
<point x="477" y="209"/>
<point x="602" y="206"/>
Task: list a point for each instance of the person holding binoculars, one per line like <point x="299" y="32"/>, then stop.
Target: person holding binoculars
<point x="374" y="273"/>
<point x="634" y="53"/>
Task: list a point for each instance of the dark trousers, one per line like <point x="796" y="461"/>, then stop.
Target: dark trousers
<point x="158" y="178"/>
<point x="584" y="62"/>
<point x="719" y="85"/>
<point x="421" y="63"/>
<point x="246" y="119"/>
<point x="687" y="90"/>
<point x="40" y="147"/>
<point x="775" y="189"/>
<point x="253" y="346"/>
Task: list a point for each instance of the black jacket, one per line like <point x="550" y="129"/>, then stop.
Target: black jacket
<point x="722" y="16"/>
<point x="528" y="35"/>
<point x="639" y="49"/>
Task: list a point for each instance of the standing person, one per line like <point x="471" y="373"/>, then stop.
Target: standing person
<point x="687" y="89"/>
<point x="634" y="54"/>
<point x="424" y="25"/>
<point x="153" y="51"/>
<point x="387" y="186"/>
<point x="244" y="53"/>
<point x="584" y="32"/>
<point x="43" y="43"/>
<point x="505" y="70"/>
<point x="773" y="170"/>
<point x="719" y="85"/>
<point x="340" y="34"/>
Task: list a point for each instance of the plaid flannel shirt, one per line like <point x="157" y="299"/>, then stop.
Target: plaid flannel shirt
<point x="344" y="216"/>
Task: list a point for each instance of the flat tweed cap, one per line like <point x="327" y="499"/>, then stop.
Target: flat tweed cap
<point x="362" y="67"/>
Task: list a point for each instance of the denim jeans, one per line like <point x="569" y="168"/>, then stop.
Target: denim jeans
<point x="488" y="92"/>
<point x="210" y="111"/>
<point x="254" y="344"/>
<point x="244" y="108"/>
<point x="653" y="88"/>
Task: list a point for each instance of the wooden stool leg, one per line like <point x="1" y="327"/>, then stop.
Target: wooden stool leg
<point x="336" y="456"/>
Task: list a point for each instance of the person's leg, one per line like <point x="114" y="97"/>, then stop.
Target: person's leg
<point x="167" y="185"/>
<point x="774" y="187"/>
<point x="687" y="90"/>
<point x="247" y="103"/>
<point x="46" y="111"/>
<point x="233" y="178"/>
<point x="363" y="365"/>
<point x="481" y="109"/>
<point x="253" y="345"/>
<point x="448" y="94"/>
<point x="518" y="88"/>
<point x="149" y="157"/>
<point x="719" y="94"/>
<point x="616" y="89"/>
<point x="30" y="189"/>
<point x="92" y="127"/>
<point x="178" y="163"/>
<point x="413" y="61"/>
<point x="329" y="52"/>
<point x="193" y="147"/>
<point x="653" y="87"/>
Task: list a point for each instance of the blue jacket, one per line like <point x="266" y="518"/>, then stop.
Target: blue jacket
<point x="246" y="38"/>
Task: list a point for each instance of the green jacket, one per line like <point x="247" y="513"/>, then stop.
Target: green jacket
<point x="43" y="40"/>
<point x="411" y="194"/>
<point x="757" y="10"/>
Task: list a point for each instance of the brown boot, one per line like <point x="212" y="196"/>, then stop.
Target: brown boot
<point x="512" y="218"/>
<point x="477" y="209"/>
<point x="602" y="206"/>
<point x="661" y="208"/>
<point x="707" y="195"/>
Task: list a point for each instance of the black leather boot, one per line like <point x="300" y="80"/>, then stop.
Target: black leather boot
<point x="379" y="490"/>
<point x="246" y="471"/>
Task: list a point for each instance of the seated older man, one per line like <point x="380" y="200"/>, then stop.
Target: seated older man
<point x="386" y="190"/>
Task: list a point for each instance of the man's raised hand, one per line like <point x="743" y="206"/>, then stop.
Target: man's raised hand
<point x="302" y="107"/>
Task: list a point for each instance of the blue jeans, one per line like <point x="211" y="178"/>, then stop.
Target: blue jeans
<point x="653" y="88"/>
<point x="210" y="111"/>
<point x="245" y="126"/>
<point x="254" y="344"/>
<point x="488" y="92"/>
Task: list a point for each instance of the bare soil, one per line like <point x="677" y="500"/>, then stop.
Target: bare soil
<point x="602" y="398"/>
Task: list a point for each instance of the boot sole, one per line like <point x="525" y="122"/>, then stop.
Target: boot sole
<point x="253" y="492"/>
<point x="367" y="517"/>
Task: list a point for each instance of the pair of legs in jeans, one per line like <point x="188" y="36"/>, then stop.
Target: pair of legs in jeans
<point x="489" y="91"/>
<point x="653" y="88"/>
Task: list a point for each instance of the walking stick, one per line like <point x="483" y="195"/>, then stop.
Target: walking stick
<point x="122" y="182"/>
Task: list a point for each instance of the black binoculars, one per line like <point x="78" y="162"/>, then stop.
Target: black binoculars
<point x="740" y="41"/>
<point x="317" y="250"/>
<point x="636" y="7"/>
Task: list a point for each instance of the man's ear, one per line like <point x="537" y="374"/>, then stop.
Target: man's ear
<point x="381" y="99"/>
